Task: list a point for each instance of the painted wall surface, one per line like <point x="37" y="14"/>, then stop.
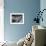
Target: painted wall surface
<point x="29" y="8"/>
<point x="43" y="6"/>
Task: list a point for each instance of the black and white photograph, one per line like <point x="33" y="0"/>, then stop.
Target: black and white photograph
<point x="16" y="18"/>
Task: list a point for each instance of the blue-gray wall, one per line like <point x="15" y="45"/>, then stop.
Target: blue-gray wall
<point x="43" y="6"/>
<point x="29" y="8"/>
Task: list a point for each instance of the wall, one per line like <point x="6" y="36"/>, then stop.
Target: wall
<point x="43" y="6"/>
<point x="29" y="8"/>
<point x="1" y="21"/>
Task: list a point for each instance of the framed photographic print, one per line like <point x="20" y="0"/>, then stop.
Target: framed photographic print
<point x="16" y="18"/>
